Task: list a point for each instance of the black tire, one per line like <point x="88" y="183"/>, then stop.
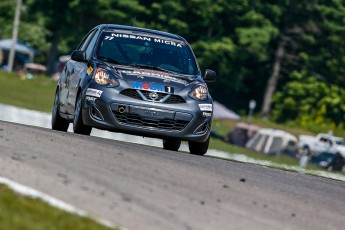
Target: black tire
<point x="170" y="144"/>
<point x="198" y="148"/>
<point x="58" y="123"/>
<point x="78" y="125"/>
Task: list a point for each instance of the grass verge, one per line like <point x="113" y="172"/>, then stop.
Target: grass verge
<point x="36" y="94"/>
<point x="20" y="212"/>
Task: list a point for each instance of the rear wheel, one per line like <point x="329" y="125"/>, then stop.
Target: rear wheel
<point x="58" y="123"/>
<point x="172" y="145"/>
<point x="198" y="148"/>
<point x="78" y="125"/>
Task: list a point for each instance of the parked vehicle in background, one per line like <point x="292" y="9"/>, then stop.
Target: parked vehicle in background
<point x="310" y="145"/>
<point x="137" y="81"/>
<point x="329" y="161"/>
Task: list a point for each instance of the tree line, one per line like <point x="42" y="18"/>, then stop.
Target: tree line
<point x="288" y="55"/>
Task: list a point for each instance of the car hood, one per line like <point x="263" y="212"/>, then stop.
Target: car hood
<point x="155" y="80"/>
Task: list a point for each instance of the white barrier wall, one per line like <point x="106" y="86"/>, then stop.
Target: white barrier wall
<point x="24" y="116"/>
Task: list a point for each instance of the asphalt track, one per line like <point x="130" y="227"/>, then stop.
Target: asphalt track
<point x="141" y="187"/>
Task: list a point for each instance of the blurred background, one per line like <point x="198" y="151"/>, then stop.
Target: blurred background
<point x="280" y="64"/>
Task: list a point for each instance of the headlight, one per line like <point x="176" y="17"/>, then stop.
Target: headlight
<point x="104" y="78"/>
<point x="200" y="92"/>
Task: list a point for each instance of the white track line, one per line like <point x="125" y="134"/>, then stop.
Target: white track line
<point x="27" y="191"/>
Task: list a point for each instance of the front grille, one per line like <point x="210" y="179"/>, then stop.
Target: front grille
<point x="175" y="99"/>
<point x="164" y="124"/>
<point x="134" y="93"/>
<point x="147" y="95"/>
<point x="131" y="93"/>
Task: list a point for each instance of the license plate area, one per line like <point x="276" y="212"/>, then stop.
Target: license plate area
<point x="151" y="113"/>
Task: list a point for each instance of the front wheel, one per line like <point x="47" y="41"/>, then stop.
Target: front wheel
<point x="172" y="145"/>
<point x="78" y="125"/>
<point x="58" y="123"/>
<point x="198" y="148"/>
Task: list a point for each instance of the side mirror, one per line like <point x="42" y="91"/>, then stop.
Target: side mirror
<point x="79" y="55"/>
<point x="210" y="75"/>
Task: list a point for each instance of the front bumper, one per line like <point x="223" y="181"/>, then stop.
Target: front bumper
<point x="120" y="113"/>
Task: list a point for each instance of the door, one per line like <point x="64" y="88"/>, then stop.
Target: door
<point x="78" y="70"/>
<point x="65" y="75"/>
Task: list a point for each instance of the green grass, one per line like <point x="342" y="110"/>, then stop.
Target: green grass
<point x="20" y="212"/>
<point x="36" y="94"/>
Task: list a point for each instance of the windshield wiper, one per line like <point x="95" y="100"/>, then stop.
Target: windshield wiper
<point x="151" y="67"/>
<point x="108" y="59"/>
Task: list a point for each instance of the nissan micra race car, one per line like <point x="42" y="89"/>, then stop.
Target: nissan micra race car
<point x="136" y="81"/>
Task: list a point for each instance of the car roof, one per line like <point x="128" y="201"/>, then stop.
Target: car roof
<point x="115" y="26"/>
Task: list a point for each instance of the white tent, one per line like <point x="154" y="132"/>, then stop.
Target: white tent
<point x="223" y="113"/>
<point x="19" y="47"/>
<point x="271" y="141"/>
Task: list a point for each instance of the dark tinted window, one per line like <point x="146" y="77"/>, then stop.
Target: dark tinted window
<point x="125" y="47"/>
<point x="91" y="45"/>
<point x="85" y="40"/>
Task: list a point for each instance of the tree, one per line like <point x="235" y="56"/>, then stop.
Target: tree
<point x="68" y="21"/>
<point x="292" y="26"/>
<point x="311" y="39"/>
<point x="254" y="46"/>
<point x="6" y="20"/>
<point x="55" y="22"/>
<point x="31" y="31"/>
<point x="306" y="101"/>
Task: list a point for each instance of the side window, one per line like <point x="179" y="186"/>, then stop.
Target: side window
<point x="85" y="40"/>
<point x="91" y="45"/>
<point x="323" y="140"/>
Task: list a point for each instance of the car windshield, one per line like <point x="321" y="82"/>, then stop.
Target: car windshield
<point x="146" y="50"/>
<point x="340" y="142"/>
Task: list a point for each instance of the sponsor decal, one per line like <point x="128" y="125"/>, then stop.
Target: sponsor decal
<point x="89" y="70"/>
<point x="131" y="36"/>
<point x="177" y="44"/>
<point x="144" y="72"/>
<point x="148" y="86"/>
<point x="90" y="98"/>
<point x="143" y="38"/>
<point x="93" y="92"/>
<point x="206" y="114"/>
<point x="205" y="107"/>
<point x="141" y="73"/>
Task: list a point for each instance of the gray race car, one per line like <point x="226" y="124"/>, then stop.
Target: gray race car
<point x="136" y="81"/>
